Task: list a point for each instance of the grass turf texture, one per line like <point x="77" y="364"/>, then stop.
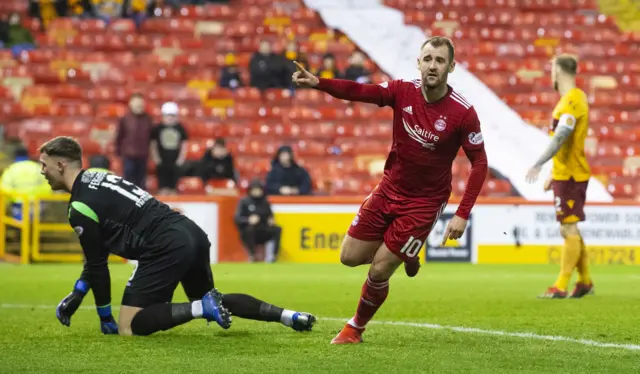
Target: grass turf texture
<point x="481" y="296"/>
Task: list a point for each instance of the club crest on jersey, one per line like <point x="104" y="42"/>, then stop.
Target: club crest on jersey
<point x="440" y="124"/>
<point x="475" y="138"/>
<point x="79" y="230"/>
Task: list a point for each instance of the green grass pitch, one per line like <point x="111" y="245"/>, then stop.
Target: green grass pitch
<point x="449" y="319"/>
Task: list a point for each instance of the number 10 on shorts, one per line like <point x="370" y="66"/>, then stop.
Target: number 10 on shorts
<point x="412" y="247"/>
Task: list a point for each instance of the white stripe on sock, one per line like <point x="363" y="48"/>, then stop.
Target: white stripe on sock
<point x="196" y="309"/>
<point x="352" y="323"/>
<point x="287" y="317"/>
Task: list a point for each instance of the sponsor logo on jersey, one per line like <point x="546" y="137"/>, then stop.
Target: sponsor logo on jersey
<point x="79" y="230"/>
<point x="425" y="137"/>
<point x="440" y="124"/>
<point x="356" y="219"/>
<point x="475" y="138"/>
<point x="408" y="109"/>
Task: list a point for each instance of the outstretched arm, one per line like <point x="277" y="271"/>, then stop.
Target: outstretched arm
<point x="353" y="91"/>
<point x="380" y="94"/>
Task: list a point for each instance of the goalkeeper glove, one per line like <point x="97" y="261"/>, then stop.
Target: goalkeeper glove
<point x="108" y="324"/>
<point x="70" y="304"/>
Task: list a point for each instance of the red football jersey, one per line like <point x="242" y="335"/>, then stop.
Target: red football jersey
<point x="426" y="139"/>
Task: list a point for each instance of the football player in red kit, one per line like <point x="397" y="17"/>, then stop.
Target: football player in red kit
<point x="430" y="123"/>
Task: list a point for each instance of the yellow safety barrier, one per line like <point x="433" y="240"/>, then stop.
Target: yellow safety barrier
<point x="23" y="226"/>
<point x="31" y="228"/>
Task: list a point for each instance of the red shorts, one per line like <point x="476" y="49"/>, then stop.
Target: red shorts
<point x="403" y="226"/>
<point x="569" y="197"/>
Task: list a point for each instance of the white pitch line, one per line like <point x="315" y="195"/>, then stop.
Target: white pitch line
<point x="466" y="330"/>
<point x="523" y="335"/>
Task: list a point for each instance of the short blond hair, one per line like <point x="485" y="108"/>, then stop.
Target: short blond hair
<point x="438" y="41"/>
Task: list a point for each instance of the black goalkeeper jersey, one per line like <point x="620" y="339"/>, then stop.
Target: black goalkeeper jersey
<point x="112" y="215"/>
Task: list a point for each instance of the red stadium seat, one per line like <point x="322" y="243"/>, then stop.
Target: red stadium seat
<point x="112" y="111"/>
<point x="195" y="150"/>
<point x="190" y="186"/>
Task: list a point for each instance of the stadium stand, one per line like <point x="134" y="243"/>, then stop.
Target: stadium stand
<point x="78" y="81"/>
<point x="508" y="44"/>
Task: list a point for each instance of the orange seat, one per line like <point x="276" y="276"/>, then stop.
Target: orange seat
<point x="621" y="188"/>
<point x="195" y="150"/>
<point x="76" y="129"/>
<point x="221" y="183"/>
<point x="191" y="12"/>
<point x="112" y="110"/>
<point x="72" y="110"/>
<point x="69" y="91"/>
<point x="190" y="186"/>
<point x="248" y="94"/>
<point x="222" y="13"/>
<point x="151" y="184"/>
<point x="92" y="26"/>
<point x="277" y="96"/>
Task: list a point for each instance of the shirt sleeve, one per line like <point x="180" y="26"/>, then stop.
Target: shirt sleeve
<point x="473" y="146"/>
<point x="154" y="133"/>
<point x="240" y="217"/>
<point x="572" y="108"/>
<point x="382" y="94"/>
<point x="85" y="223"/>
<point x="183" y="132"/>
<point x="119" y="136"/>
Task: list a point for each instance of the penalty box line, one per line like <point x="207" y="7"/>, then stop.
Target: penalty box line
<point x="431" y="326"/>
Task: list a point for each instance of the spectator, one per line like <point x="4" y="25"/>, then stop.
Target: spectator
<point x="99" y="163"/>
<point x="230" y="75"/>
<point x="4" y="30"/>
<point x="255" y="223"/>
<point x="46" y="11"/>
<point x="217" y="163"/>
<point x="286" y="176"/>
<point x="266" y="69"/>
<point x="168" y="148"/>
<point x="138" y="10"/>
<point x="83" y="8"/>
<point x="23" y="177"/>
<point x="291" y="54"/>
<point x="19" y="38"/>
<point x="108" y="10"/>
<point x="356" y="70"/>
<point x="133" y="140"/>
<point x="328" y="69"/>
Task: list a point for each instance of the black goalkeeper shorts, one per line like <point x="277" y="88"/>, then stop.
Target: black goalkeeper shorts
<point x="178" y="255"/>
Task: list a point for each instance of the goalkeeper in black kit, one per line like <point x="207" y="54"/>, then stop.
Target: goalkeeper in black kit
<point x="112" y="215"/>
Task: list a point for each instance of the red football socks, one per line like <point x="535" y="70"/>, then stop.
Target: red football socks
<point x="374" y="293"/>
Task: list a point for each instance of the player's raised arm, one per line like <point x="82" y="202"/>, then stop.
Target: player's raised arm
<point x="96" y="272"/>
<point x="473" y="146"/>
<point x="381" y="95"/>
